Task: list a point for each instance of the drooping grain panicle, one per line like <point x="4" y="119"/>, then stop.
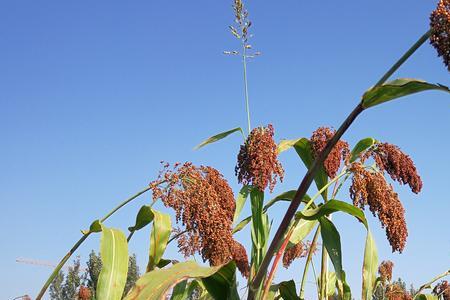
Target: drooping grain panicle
<point x="442" y="290"/>
<point x="84" y="293"/>
<point x="299" y="250"/>
<point x="257" y="162"/>
<point x="397" y="164"/>
<point x="440" y="34"/>
<point x="385" y="270"/>
<point x="204" y="204"/>
<point x="339" y="153"/>
<point x="396" y="292"/>
<point x="370" y="188"/>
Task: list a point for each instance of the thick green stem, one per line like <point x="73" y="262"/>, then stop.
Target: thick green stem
<point x="81" y="240"/>
<point x="323" y="274"/>
<point x="309" y="176"/>
<point x="308" y="261"/>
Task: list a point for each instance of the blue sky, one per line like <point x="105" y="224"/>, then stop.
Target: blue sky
<point x="94" y="94"/>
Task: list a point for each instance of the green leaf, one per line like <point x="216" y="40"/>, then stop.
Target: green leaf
<point x="178" y="292"/>
<point x="397" y="88"/>
<point x="286" y="196"/>
<point x="258" y="229"/>
<point x="222" y="284"/>
<point x="331" y="283"/>
<point x="370" y="267"/>
<point x="332" y="242"/>
<point x="301" y="231"/>
<point x="331" y="207"/>
<point x="426" y="297"/>
<point x="286" y="145"/>
<point x="163" y="262"/>
<point x="287" y="290"/>
<point x="114" y="255"/>
<point x="303" y="148"/>
<point x="361" y="146"/>
<point x="96" y="226"/>
<point x="240" y="201"/>
<point x="155" y="285"/>
<point x="143" y="218"/>
<point x="159" y="237"/>
<point x="218" y="137"/>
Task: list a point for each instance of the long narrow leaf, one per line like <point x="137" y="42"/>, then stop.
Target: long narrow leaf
<point x="331" y="207"/>
<point x="114" y="256"/>
<point x="155" y="285"/>
<point x="143" y="218"/>
<point x="370" y="266"/>
<point x="361" y="146"/>
<point x="159" y="237"/>
<point x="218" y="137"/>
<point x="222" y="284"/>
<point x="301" y="231"/>
<point x="398" y="88"/>
<point x="240" y="201"/>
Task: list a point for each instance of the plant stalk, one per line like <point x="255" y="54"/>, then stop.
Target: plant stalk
<point x="428" y="284"/>
<point x="308" y="261"/>
<point x="309" y="176"/>
<point x="247" y="105"/>
<point x="81" y="240"/>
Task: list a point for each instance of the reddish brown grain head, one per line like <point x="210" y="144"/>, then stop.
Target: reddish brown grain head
<point x="440" y="26"/>
<point x="204" y="204"/>
<point x="385" y="270"/>
<point x="370" y="188"/>
<point x="442" y="290"/>
<point x="258" y="163"/>
<point x="397" y="164"/>
<point x="84" y="293"/>
<point x="240" y="257"/>
<point x="340" y="152"/>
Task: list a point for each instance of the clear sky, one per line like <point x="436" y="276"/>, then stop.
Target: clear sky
<point x="93" y="94"/>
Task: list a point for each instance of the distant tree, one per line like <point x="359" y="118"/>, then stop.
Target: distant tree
<point x="133" y="274"/>
<point x="56" y="287"/>
<point x="73" y="281"/>
<point x="94" y="266"/>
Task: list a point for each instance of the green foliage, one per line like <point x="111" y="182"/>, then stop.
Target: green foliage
<point x="56" y="288"/>
<point x="159" y="237"/>
<point x="73" y="281"/>
<point x="218" y="137"/>
<point x="132" y="275"/>
<point x="370" y="267"/>
<point x="94" y="266"/>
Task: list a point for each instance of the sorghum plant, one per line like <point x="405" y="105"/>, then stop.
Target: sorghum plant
<point x="207" y="212"/>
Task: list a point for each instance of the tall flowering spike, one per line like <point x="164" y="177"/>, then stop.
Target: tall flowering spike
<point x="340" y="152"/>
<point x="440" y="25"/>
<point x="204" y="203"/>
<point x="258" y="163"/>
<point x="397" y="164"/>
<point x="297" y="251"/>
<point x="442" y="289"/>
<point x="370" y="188"/>
<point x="385" y="270"/>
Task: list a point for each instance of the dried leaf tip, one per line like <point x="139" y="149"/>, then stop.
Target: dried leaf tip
<point x="257" y="162"/>
<point x="440" y="26"/>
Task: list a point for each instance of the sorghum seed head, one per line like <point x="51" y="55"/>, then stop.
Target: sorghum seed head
<point x="371" y="188"/>
<point x="84" y="293"/>
<point x="240" y="257"/>
<point x="340" y="152"/>
<point x="397" y="164"/>
<point x="299" y="250"/>
<point x="257" y="162"/>
<point x="385" y="270"/>
<point x="440" y="26"/>
<point x="204" y="203"/>
<point x="396" y="292"/>
<point x="442" y="289"/>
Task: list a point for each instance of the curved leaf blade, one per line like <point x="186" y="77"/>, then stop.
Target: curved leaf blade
<point x="222" y="284"/>
<point x="370" y="267"/>
<point x="143" y="218"/>
<point x="331" y="207"/>
<point x="398" y="88"/>
<point x="361" y="146"/>
<point x="114" y="256"/>
<point x="287" y="290"/>
<point x="162" y="227"/>
<point x="218" y="137"/>
<point x="154" y="285"/>
<point x="240" y="201"/>
<point x="300" y="232"/>
<point x="284" y="145"/>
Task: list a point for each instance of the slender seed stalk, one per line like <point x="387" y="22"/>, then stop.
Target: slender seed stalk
<point x="81" y="240"/>
<point x="308" y="261"/>
<point x="247" y="105"/>
<point x="309" y="176"/>
<point x="323" y="274"/>
<point x="428" y="284"/>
